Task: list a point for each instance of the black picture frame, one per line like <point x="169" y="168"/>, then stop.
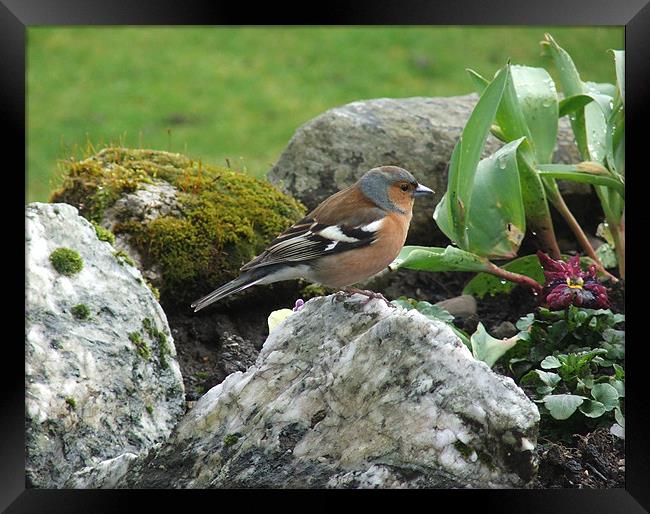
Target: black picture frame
<point x="17" y="15"/>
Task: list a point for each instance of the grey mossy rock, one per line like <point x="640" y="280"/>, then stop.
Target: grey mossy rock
<point x="148" y="202"/>
<point x="350" y="395"/>
<point x="331" y="151"/>
<point x="91" y="394"/>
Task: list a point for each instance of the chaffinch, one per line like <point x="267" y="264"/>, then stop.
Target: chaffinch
<point x="349" y="237"/>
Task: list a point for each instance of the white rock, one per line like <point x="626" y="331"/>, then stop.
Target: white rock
<point x="90" y="395"/>
<point x="347" y="395"/>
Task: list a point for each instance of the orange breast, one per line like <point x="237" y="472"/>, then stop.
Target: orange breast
<point x="347" y="268"/>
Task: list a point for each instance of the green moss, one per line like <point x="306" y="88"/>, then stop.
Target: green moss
<point x="224" y="219"/>
<point x="230" y="439"/>
<point x="154" y="289"/>
<point x="72" y="403"/>
<point x="123" y="258"/>
<point x="141" y="345"/>
<point x="81" y="311"/>
<point x="66" y="261"/>
<point x="463" y="449"/>
<point x="161" y="341"/>
<point x="103" y="234"/>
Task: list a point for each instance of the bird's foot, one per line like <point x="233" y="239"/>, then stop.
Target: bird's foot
<point x="349" y="291"/>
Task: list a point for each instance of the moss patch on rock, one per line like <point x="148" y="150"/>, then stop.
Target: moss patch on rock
<point x="66" y="261"/>
<point x="227" y="217"/>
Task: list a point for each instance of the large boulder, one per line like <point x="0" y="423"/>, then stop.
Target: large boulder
<point x="101" y="373"/>
<point x="347" y="393"/>
<point x="334" y="149"/>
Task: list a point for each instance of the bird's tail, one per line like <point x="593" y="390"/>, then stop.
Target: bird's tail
<point x="239" y="284"/>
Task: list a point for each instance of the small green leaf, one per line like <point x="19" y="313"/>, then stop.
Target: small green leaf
<point x="573" y="103"/>
<point x="561" y="406"/>
<point x="487" y="348"/>
<point x="438" y="259"/>
<point x="607" y="255"/>
<point x="550" y="380"/>
<point x="605" y="394"/>
<point x="619" y="385"/>
<point x="434" y="312"/>
<point x="592" y="408"/>
<point x="618" y="416"/>
<point x="551" y="362"/>
<point x="619" y="371"/>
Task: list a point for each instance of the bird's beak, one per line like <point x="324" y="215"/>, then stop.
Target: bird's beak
<point x="422" y="191"/>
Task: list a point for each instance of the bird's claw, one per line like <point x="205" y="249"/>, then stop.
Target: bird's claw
<point x="372" y="295"/>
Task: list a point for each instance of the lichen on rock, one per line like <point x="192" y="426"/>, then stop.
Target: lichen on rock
<point x="189" y="226"/>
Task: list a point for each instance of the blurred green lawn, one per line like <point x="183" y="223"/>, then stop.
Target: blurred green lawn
<point x="220" y="93"/>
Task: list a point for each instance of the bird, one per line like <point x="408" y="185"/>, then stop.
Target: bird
<point x="349" y="237"/>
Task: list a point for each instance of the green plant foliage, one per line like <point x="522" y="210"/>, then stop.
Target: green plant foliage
<point x="490" y="349"/>
<point x="572" y="361"/>
<point x="224" y="219"/>
<point x="66" y="261"/>
<point x="438" y="259"/>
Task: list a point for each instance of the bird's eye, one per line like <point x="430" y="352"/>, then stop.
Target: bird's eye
<point x="404" y="187"/>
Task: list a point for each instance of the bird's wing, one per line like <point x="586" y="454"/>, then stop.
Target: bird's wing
<point x="309" y="239"/>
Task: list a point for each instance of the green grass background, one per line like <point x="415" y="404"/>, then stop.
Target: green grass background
<point x="218" y="93"/>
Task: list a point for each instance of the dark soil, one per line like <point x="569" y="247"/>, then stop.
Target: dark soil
<point x="226" y="338"/>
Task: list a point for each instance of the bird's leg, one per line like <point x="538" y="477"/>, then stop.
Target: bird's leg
<point x="365" y="292"/>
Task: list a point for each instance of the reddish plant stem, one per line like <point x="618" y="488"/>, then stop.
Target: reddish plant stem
<point x="493" y="269"/>
<point x="563" y="209"/>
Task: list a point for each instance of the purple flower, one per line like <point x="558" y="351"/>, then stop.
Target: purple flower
<point x="300" y="303"/>
<point x="566" y="284"/>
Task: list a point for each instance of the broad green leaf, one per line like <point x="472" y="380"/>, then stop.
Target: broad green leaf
<point x="551" y="362"/>
<point x="485" y="283"/>
<point x="438" y="259"/>
<point x="601" y="88"/>
<point x="537" y="99"/>
<point x="561" y="406"/>
<point x="605" y="394"/>
<point x="619" y="63"/>
<point x="592" y="408"/>
<point x="496" y="220"/>
<point x="487" y="348"/>
<point x="573" y="103"/>
<point x="581" y="173"/>
<point x="590" y="123"/>
<point x="465" y="158"/>
<point x="528" y="109"/>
